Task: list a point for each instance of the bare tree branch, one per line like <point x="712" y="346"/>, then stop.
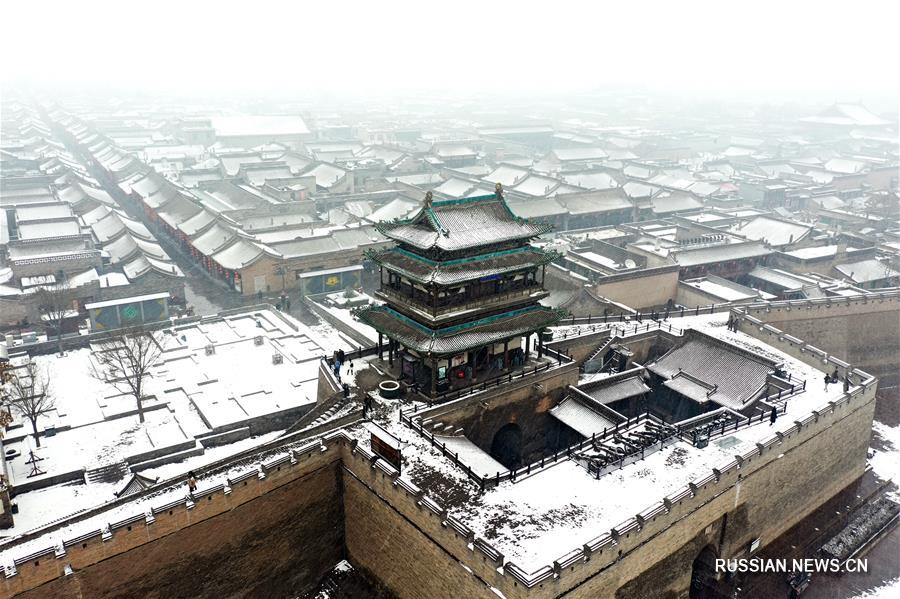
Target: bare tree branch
<point x="54" y="302"/>
<point x="29" y="394"/>
<point x="124" y="360"/>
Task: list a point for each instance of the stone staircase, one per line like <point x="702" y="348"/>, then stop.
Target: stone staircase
<point x="445" y="430"/>
<point x="323" y="417"/>
<point x="109" y="473"/>
<point x="594" y="362"/>
<point x="319" y="414"/>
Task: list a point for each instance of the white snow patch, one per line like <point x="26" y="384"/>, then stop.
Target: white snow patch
<point x="891" y="590"/>
<point x="343" y="566"/>
<point x="886" y="462"/>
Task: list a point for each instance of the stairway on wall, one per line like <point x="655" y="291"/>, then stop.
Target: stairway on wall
<point x="109" y="473"/>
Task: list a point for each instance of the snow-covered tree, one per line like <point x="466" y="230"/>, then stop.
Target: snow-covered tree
<point x="28" y="393"/>
<point x="124" y="361"/>
<point x="54" y="301"/>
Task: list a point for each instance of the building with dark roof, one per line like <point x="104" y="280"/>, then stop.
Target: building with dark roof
<point x="462" y="290"/>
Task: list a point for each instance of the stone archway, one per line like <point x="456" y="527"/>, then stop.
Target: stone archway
<point x="704" y="581"/>
<point x="506" y="447"/>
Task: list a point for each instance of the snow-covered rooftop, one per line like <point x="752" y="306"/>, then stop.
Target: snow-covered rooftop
<point x="199" y="387"/>
<point x="538" y="518"/>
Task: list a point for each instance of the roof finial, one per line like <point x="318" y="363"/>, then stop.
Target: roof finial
<point x="499" y="189"/>
<point x="428" y="197"/>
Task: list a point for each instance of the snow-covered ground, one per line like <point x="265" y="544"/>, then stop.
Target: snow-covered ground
<point x="337" y="306"/>
<point x="532" y="522"/>
<point x="192" y="393"/>
<point x="423" y="464"/>
<point x="539" y="518"/>
<point x="93" y="496"/>
<point x="886" y="461"/>
<point x="890" y="590"/>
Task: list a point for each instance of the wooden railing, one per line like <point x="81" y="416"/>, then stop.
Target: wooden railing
<point x="487" y="480"/>
<point x="424" y="302"/>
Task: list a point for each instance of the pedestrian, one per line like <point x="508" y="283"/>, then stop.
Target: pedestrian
<point x="773" y="416"/>
<point x="827" y="380"/>
<point x="192" y="482"/>
<point x="351" y="368"/>
<point x="846" y="383"/>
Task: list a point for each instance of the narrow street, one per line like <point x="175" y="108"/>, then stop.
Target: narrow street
<point x="206" y="294"/>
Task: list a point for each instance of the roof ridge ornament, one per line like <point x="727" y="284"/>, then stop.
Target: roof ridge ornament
<point x="428" y="199"/>
<point x="498" y="189"/>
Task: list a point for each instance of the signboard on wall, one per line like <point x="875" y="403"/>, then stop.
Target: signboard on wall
<point x="386" y="446"/>
<point x="128" y="311"/>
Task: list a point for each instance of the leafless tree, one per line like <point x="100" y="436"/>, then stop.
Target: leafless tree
<point x="54" y="301"/>
<point x="124" y="361"/>
<point x="28" y="392"/>
<point x="6" y="375"/>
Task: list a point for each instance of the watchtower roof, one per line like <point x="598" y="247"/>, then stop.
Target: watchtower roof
<point x="452" y="272"/>
<point x="458" y="338"/>
<point x="459" y="224"/>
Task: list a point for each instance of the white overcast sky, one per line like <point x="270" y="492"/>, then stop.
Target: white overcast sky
<point x="846" y="48"/>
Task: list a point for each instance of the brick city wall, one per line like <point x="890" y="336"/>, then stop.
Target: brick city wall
<point x="252" y="536"/>
<point x="646" y="289"/>
<point x="423" y="552"/>
<point x="406" y="551"/>
<point x="864" y="331"/>
<point x="350" y="502"/>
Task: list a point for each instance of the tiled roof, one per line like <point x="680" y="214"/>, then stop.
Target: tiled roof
<point x="144" y="264"/>
<point x="618" y="390"/>
<point x="457" y="271"/>
<point x="179" y="211"/>
<point x="580" y="417"/>
<point x="197" y="223"/>
<point x="126" y="246"/>
<point x="778" y="277"/>
<point x="688" y="256"/>
<point x="460" y="224"/>
<point x="690" y="387"/>
<point x="136" y="484"/>
<point x="459" y="338"/>
<point x="775" y="231"/>
<point x="738" y="375"/>
<point x="867" y="271"/>
<point x="239" y="254"/>
<point x="213" y="239"/>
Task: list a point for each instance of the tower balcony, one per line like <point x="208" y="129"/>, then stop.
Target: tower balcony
<point x="450" y="307"/>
